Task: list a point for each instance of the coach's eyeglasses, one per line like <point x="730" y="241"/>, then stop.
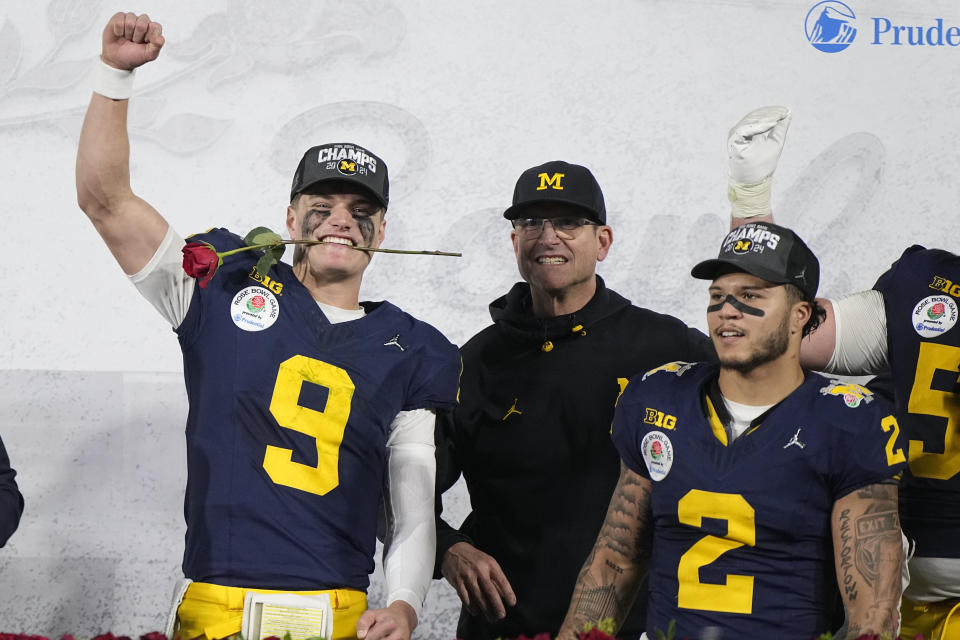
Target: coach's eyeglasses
<point x="565" y="227"/>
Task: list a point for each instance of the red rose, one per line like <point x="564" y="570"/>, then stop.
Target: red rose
<point x="594" y="634"/>
<point x="153" y="635"/>
<point x="200" y="261"/>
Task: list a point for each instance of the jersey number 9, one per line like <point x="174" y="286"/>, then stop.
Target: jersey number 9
<point x="325" y="427"/>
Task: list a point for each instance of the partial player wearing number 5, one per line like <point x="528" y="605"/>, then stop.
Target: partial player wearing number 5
<point x="769" y="479"/>
<point x="905" y="329"/>
<point x="306" y="406"/>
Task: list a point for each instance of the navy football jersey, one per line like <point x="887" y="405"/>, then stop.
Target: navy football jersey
<point x="742" y="532"/>
<point x="920" y="294"/>
<point x="288" y="424"/>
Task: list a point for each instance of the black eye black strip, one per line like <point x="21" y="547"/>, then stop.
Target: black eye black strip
<point x="743" y="308"/>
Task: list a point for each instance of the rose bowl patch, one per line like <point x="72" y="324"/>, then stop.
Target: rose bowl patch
<point x="934" y="315"/>
<point x="657" y="451"/>
<point x="254" y="309"/>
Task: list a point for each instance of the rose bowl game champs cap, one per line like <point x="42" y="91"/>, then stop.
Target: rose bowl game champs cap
<point x="342" y="161"/>
<point x="767" y="251"/>
<point x="558" y="181"/>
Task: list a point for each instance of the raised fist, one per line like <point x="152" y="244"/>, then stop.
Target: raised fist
<point x="130" y="40"/>
<point x="755" y="143"/>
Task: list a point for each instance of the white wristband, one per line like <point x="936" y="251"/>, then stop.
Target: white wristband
<point x="111" y="82"/>
<point x="749" y="200"/>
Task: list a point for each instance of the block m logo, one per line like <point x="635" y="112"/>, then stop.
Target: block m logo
<point x="551" y="181"/>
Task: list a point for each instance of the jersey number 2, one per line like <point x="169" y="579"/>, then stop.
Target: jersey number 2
<point x="325" y="427"/>
<point x="736" y="595"/>
<point x="928" y="401"/>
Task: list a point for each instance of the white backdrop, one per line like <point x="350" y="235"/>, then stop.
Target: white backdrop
<point x="458" y="98"/>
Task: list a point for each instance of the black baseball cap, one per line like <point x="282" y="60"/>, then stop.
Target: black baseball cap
<point x="558" y="181"/>
<point x="342" y="161"/>
<point x="767" y="251"/>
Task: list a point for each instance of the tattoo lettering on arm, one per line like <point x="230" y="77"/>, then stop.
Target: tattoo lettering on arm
<point x="872" y="532"/>
<point x="870" y="557"/>
<point x="614" y="567"/>
<point x="608" y="582"/>
<point x="879" y="552"/>
<point x="849" y="583"/>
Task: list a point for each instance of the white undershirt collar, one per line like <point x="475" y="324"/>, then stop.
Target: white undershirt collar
<point x="741" y="415"/>
<point x="338" y="314"/>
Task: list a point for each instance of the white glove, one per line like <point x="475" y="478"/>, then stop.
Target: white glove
<point x="754" y="146"/>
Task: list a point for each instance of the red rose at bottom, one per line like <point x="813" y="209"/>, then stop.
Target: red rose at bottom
<point x="200" y="261"/>
<point x="594" y="634"/>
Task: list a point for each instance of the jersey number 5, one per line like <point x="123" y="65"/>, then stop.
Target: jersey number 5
<point x="736" y="595"/>
<point x="928" y="401"/>
<point x="325" y="427"/>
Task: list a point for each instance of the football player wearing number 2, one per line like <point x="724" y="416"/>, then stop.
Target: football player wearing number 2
<point x="907" y="325"/>
<point x="306" y="406"/>
<point x="747" y="485"/>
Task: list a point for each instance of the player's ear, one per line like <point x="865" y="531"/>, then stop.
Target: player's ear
<point x="800" y="315"/>
<point x="291" y="220"/>
<point x="604" y="240"/>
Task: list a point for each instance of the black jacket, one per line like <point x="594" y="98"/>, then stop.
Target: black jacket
<point x="532" y="438"/>
<point x="11" y="502"/>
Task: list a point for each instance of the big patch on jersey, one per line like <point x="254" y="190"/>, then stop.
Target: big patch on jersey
<point x="254" y="309"/>
<point x="677" y="367"/>
<point x="934" y="315"/>
<point x="657" y="453"/>
<point x="852" y="394"/>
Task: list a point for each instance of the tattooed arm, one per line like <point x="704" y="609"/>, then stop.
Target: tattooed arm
<point x="608" y="582"/>
<point x="869" y="557"/>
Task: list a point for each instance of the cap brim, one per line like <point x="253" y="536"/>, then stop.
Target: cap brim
<point x="516" y="211"/>
<point x="707" y="269"/>
<point x="351" y="180"/>
<point x="710" y="269"/>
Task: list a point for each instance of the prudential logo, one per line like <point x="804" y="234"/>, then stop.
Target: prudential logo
<point x="830" y="26"/>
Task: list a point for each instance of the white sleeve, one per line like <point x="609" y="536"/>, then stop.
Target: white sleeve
<point x="164" y="283"/>
<point x="861" y="334"/>
<point x="410" y="541"/>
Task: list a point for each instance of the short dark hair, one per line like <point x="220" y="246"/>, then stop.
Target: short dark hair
<point x="817" y="313"/>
